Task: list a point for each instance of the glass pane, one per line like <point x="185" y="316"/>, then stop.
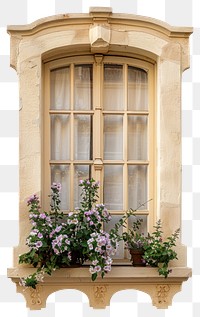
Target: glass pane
<point x="137" y="89"/>
<point x="60" y="174"/>
<point x="137" y="186"/>
<point x="143" y="227"/>
<point x="60" y="88"/>
<point x="137" y="137"/>
<point x="60" y="137"/>
<point x="113" y="187"/>
<point x="83" y="87"/>
<point x="113" y="137"/>
<point x="113" y="87"/>
<point x="81" y="172"/>
<point x="107" y="227"/>
<point x="82" y="137"/>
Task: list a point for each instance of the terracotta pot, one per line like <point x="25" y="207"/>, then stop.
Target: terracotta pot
<point x="136" y="257"/>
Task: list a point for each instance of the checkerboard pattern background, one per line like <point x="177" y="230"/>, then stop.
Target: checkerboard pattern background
<point x="130" y="302"/>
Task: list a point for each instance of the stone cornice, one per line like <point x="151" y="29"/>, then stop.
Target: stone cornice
<point x="100" y="17"/>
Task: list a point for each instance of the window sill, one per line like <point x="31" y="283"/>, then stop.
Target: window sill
<point x="143" y="279"/>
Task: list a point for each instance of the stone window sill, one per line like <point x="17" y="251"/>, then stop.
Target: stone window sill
<point x="145" y="279"/>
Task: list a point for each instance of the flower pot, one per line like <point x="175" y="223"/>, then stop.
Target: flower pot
<point x="137" y="257"/>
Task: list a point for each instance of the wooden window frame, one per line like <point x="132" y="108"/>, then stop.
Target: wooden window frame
<point x="98" y="117"/>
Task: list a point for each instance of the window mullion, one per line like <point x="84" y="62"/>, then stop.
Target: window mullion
<point x="97" y="123"/>
<point x="72" y="141"/>
<point x="125" y="140"/>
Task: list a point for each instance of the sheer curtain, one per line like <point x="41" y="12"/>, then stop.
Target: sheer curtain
<point x="129" y="128"/>
<point x="125" y="126"/>
<point x="60" y="88"/>
<point x="71" y="130"/>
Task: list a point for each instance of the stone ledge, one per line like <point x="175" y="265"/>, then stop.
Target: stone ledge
<point x="146" y="279"/>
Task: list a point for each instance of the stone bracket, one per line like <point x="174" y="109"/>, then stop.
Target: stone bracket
<point x="100" y="292"/>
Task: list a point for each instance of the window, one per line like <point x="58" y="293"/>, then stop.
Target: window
<point x="107" y="89"/>
<point x="98" y="123"/>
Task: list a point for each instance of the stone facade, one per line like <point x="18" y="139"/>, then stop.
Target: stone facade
<point x="102" y="32"/>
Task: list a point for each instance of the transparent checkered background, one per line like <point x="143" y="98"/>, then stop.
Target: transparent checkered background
<point x="126" y="303"/>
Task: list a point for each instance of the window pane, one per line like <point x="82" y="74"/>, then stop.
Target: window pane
<point x="137" y="89"/>
<point x="60" y="174"/>
<point x="60" y="88"/>
<point x="113" y="87"/>
<point x="60" y="137"/>
<point x="143" y="227"/>
<point x="113" y="187"/>
<point x="82" y="137"/>
<point x="137" y="137"/>
<point x="83" y="87"/>
<point x="137" y="186"/>
<point x="113" y="137"/>
<point x="80" y="172"/>
<point x="107" y="227"/>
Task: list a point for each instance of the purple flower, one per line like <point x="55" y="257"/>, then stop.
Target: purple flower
<point x="58" y="228"/>
<point x="56" y="186"/>
<point x="97" y="268"/>
<point x="107" y="268"/>
<point x="38" y="244"/>
<point x="33" y="199"/>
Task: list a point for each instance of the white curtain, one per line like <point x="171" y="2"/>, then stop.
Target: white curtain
<point x="113" y="137"/>
<point x="113" y="94"/>
<point x="135" y="136"/>
<point x="60" y="89"/>
<point x="137" y="89"/>
<point x="83" y="87"/>
<point x="60" y="137"/>
<point x="115" y="131"/>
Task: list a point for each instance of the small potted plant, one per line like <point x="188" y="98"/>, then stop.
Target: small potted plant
<point x="151" y="249"/>
<point x="134" y="241"/>
<point x="159" y="252"/>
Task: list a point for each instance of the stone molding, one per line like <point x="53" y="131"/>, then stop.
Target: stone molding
<point x="100" y="292"/>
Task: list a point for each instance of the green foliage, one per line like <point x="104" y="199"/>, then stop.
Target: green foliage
<point x="133" y="238"/>
<point x="159" y="252"/>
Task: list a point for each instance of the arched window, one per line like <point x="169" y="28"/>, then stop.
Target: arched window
<point x="100" y="97"/>
<point x="99" y="122"/>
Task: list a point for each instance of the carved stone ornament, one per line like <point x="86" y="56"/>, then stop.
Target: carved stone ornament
<point x="162" y="293"/>
<point x="100" y="293"/>
<point x="35" y="295"/>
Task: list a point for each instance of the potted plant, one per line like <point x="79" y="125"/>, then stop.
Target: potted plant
<point x="58" y="239"/>
<point x="159" y="252"/>
<point x="134" y="241"/>
<point x="151" y="249"/>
